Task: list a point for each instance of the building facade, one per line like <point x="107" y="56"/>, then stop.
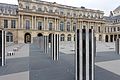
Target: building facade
<point x="32" y="18"/>
<point x="112" y="26"/>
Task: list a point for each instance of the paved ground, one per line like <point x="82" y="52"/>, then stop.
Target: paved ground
<point x="39" y="66"/>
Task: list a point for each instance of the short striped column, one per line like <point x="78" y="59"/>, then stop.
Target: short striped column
<point x="85" y="54"/>
<point x="55" y="46"/>
<point x="46" y="45"/>
<point x="2" y="47"/>
<point x="117" y="46"/>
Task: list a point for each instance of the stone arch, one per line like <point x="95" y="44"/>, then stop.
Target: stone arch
<point x="39" y="34"/>
<point x="27" y="38"/>
<point x="69" y="37"/>
<point x="62" y="37"/>
<point x="106" y="38"/>
<point x="9" y="37"/>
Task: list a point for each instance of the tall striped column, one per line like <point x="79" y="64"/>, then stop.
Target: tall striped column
<point x="85" y="54"/>
<point x="46" y="45"/>
<point x="2" y="47"/>
<point x="55" y="46"/>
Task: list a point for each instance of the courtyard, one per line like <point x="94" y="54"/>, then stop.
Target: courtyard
<point x="29" y="63"/>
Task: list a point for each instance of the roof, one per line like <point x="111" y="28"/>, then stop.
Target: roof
<point x="117" y="9"/>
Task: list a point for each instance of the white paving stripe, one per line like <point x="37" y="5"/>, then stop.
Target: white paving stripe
<point x="112" y="66"/>
<point x="16" y="76"/>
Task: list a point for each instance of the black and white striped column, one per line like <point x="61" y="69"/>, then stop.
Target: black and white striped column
<point x="85" y="54"/>
<point x="2" y="48"/>
<point x="46" y="44"/>
<point x="55" y="46"/>
<point x="117" y="46"/>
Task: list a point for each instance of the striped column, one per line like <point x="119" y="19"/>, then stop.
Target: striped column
<point x="46" y="45"/>
<point x="85" y="54"/>
<point x="55" y="46"/>
<point x="2" y="47"/>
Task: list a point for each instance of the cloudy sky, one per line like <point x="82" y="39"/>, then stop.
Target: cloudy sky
<point x="104" y="5"/>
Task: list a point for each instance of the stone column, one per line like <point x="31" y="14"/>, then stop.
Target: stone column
<point x="55" y="25"/>
<point x="32" y="23"/>
<point x="22" y="23"/>
<point x="35" y="27"/>
<point x="44" y="24"/>
<point x="85" y="53"/>
<point x="19" y="22"/>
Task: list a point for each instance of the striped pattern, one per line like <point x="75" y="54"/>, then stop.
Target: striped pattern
<point x="85" y="53"/>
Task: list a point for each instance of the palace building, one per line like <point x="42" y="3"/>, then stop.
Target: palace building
<point x="32" y="18"/>
<point x="112" y="26"/>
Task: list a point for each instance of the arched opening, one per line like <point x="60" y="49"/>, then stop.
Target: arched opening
<point x="40" y="34"/>
<point x="62" y="37"/>
<point x="111" y="38"/>
<point x="74" y="38"/>
<point x="106" y="38"/>
<point x="50" y="37"/>
<point x="61" y="26"/>
<point x="119" y="35"/>
<point x="115" y="37"/>
<point x="69" y="37"/>
<point x="27" y="38"/>
<point x="9" y="37"/>
<point x="100" y="37"/>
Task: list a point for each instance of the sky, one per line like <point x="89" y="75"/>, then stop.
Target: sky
<point x="103" y="5"/>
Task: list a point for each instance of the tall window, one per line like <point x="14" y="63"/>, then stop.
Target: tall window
<point x="5" y="23"/>
<point x="27" y="7"/>
<point x="39" y="25"/>
<point x="27" y="24"/>
<point x="98" y="29"/>
<point x="74" y="27"/>
<point x="13" y="23"/>
<point x="50" y="26"/>
<point x="69" y="37"/>
<point x="61" y="26"/>
<point x="68" y="26"/>
<point x="62" y="38"/>
<point x="9" y="37"/>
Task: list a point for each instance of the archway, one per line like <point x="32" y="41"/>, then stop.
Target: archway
<point x="106" y="38"/>
<point x="27" y="38"/>
<point x="40" y="34"/>
<point x="62" y="37"/>
<point x="100" y="37"/>
<point x="50" y="37"/>
<point x="9" y="37"/>
<point x="111" y="38"/>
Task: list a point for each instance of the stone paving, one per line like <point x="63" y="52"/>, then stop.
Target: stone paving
<point x="39" y="66"/>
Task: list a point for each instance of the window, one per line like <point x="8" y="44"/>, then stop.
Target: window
<point x="50" y="26"/>
<point x="74" y="27"/>
<point x="69" y="37"/>
<point x="13" y="23"/>
<point x="39" y="25"/>
<point x="9" y="37"/>
<point x="5" y="23"/>
<point x="114" y="29"/>
<point x="62" y="38"/>
<point x="50" y="11"/>
<point x="39" y="9"/>
<point x="68" y="26"/>
<point x="27" y="24"/>
<point x="27" y="7"/>
<point x="61" y="26"/>
<point x="98" y="29"/>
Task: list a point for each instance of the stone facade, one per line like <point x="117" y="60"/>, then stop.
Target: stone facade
<point x="32" y="18"/>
